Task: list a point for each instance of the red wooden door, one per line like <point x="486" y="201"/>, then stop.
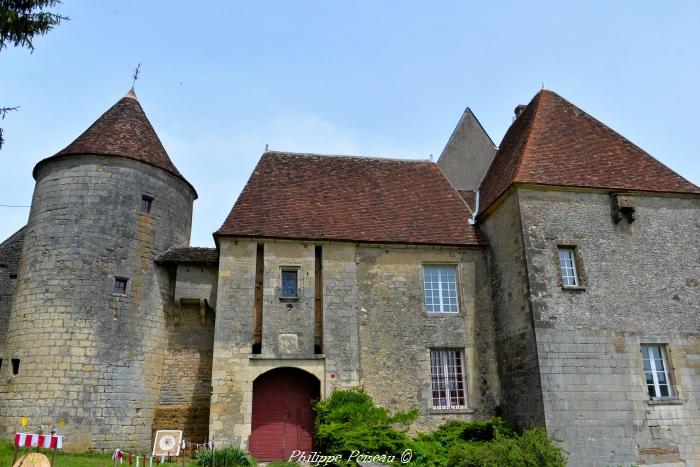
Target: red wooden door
<point x="283" y="420"/>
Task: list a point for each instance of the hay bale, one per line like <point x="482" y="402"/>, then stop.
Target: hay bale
<point x="33" y="459"/>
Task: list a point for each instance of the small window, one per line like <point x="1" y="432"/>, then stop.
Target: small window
<point x="447" y="379"/>
<point x="15" y="366"/>
<point x="120" y="285"/>
<point x="146" y="203"/>
<point x="567" y="266"/>
<point x="440" y="284"/>
<point x="656" y="372"/>
<point x="290" y="287"/>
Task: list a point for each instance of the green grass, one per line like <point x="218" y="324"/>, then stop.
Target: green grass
<point x="7" y="452"/>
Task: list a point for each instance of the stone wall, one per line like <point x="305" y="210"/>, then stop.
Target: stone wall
<point x="640" y="286"/>
<point x="467" y="154"/>
<point x="89" y="357"/>
<point x="186" y="386"/>
<point x="397" y="332"/>
<point x="10" y="251"/>
<point x="521" y="392"/>
<point x="376" y="332"/>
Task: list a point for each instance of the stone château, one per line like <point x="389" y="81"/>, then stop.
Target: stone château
<point x="552" y="279"/>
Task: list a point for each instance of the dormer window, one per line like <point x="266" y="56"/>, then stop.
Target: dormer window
<point x="146" y="203"/>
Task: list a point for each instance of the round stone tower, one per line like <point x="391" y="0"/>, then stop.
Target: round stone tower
<point x="86" y="335"/>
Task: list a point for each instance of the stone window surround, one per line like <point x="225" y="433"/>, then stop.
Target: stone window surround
<point x="458" y="280"/>
<point x="289" y="267"/>
<point x="127" y="285"/>
<point x="664" y="342"/>
<point x="146" y="204"/>
<point x="580" y="270"/>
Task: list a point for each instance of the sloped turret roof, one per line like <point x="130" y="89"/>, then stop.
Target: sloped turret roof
<point x="124" y="131"/>
<point x="553" y="142"/>
<point x="348" y="198"/>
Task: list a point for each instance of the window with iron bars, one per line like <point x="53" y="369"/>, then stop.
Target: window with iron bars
<point x="448" y="379"/>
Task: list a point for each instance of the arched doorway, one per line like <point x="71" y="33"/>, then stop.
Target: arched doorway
<point x="283" y="420"/>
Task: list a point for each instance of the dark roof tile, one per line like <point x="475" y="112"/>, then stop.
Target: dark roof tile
<point x="190" y="254"/>
<point x="124" y="131"/>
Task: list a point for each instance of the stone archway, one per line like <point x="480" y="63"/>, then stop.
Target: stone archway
<point x="283" y="419"/>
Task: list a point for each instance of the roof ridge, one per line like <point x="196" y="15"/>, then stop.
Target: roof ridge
<point x="12" y="237"/>
<point x="345" y="156"/>
<point x="537" y="101"/>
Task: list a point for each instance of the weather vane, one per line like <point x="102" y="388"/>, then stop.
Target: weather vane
<point x="136" y="74"/>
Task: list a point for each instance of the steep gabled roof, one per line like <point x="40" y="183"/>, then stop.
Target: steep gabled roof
<point x="124" y="131"/>
<point x="344" y="198"/>
<point x="553" y="142"/>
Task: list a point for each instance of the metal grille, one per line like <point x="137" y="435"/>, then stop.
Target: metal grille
<point x="447" y="374"/>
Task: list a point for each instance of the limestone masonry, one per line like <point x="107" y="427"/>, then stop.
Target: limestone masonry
<point x="553" y="280"/>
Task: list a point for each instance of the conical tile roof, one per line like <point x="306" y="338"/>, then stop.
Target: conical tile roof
<point x="553" y="142"/>
<point x="123" y="131"/>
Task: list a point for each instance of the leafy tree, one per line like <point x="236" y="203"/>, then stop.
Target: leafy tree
<point x="20" y="22"/>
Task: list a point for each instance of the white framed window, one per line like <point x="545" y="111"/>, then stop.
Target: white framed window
<point x="656" y="372"/>
<point x="567" y="267"/>
<point x="440" y="286"/>
<point x="448" y="379"/>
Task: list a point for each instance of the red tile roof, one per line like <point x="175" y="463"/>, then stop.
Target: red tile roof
<point x="344" y="198"/>
<point x="124" y="131"/>
<point x="553" y="142"/>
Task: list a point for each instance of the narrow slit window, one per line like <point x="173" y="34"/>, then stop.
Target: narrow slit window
<point x="15" y="366"/>
<point x="146" y="203"/>
<point x="656" y="372"/>
<point x="120" y="285"/>
<point x="567" y="266"/>
<point x="290" y="286"/>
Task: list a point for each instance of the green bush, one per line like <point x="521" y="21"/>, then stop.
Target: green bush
<point x="349" y="421"/>
<point x="530" y="449"/>
<point x="224" y="457"/>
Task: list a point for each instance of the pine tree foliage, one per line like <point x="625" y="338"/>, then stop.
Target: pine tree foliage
<point x="20" y="22"/>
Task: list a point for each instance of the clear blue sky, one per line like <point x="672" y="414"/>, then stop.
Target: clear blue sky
<point x="222" y="79"/>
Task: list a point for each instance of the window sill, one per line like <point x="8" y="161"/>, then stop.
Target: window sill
<point x="288" y="299"/>
<point x="574" y="288"/>
<point x="450" y="411"/>
<point x="115" y="294"/>
<point x="666" y="401"/>
<point x="443" y="313"/>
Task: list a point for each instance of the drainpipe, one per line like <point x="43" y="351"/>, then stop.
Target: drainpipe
<point x="472" y="220"/>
